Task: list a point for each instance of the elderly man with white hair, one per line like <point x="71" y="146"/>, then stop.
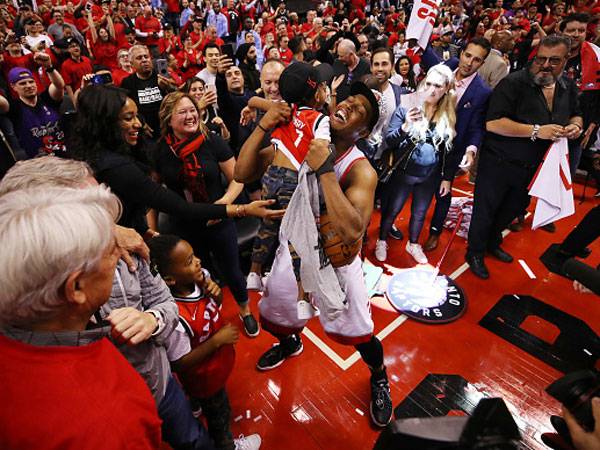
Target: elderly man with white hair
<point x="140" y="311"/>
<point x="67" y="386"/>
<point x="351" y="66"/>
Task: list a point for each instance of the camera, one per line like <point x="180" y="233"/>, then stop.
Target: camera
<point x="575" y="391"/>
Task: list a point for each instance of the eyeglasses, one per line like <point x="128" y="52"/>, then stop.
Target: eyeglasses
<point x="553" y="61"/>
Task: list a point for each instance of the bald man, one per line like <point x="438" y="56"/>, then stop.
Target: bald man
<point x="350" y="65"/>
<point x="496" y="65"/>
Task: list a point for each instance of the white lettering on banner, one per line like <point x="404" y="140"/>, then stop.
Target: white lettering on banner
<point x="149" y="95"/>
<point x="422" y="20"/>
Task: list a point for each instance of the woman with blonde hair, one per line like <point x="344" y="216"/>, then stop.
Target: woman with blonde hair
<point x="424" y="136"/>
<point x="192" y="161"/>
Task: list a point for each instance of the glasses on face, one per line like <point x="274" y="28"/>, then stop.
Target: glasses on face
<point x="553" y="60"/>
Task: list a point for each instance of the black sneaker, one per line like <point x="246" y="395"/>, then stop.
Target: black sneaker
<point x="250" y="325"/>
<point x="381" y="401"/>
<point x="395" y="233"/>
<point x="275" y="356"/>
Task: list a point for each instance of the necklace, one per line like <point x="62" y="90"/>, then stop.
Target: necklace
<point x="550" y="86"/>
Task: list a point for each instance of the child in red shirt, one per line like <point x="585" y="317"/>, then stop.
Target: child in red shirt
<point x="201" y="347"/>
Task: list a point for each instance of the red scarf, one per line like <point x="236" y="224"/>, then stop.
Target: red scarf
<point x="192" y="171"/>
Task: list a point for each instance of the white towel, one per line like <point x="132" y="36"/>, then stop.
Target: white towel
<point x="552" y="186"/>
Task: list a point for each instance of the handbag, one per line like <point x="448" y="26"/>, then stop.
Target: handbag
<point x="391" y="159"/>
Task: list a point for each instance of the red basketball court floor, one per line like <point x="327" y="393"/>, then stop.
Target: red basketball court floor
<point x="320" y="399"/>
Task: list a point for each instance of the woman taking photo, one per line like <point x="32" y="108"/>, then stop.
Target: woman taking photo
<point x="430" y="129"/>
<point x="106" y="135"/>
<point x="192" y="161"/>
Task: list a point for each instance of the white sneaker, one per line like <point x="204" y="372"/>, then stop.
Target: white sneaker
<point x="254" y="282"/>
<point x="416" y="251"/>
<point x="381" y="250"/>
<point x="251" y="442"/>
<point x="306" y="310"/>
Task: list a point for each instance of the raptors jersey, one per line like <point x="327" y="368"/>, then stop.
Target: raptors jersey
<point x="293" y="138"/>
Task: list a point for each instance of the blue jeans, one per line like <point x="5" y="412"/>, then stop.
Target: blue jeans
<point x="179" y="428"/>
<point x="394" y="196"/>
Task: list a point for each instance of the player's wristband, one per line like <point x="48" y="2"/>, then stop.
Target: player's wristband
<point x="327" y="165"/>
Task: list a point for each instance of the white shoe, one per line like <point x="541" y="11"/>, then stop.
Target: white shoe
<point x="254" y="282"/>
<point x="306" y="310"/>
<point x="381" y="250"/>
<point x="251" y="442"/>
<point x="416" y="251"/>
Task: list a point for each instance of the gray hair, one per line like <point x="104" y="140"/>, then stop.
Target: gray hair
<point x="137" y="47"/>
<point x="47" y="234"/>
<point x="554" y="40"/>
<point x="45" y="171"/>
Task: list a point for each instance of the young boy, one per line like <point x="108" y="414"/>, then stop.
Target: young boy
<point x="201" y="348"/>
<point x="304" y="87"/>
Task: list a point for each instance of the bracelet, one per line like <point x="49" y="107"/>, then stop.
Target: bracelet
<point x="240" y="211"/>
<point x="263" y="128"/>
<point x="534" y="132"/>
<point x="50" y="69"/>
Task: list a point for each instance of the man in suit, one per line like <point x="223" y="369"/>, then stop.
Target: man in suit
<point x="472" y="98"/>
<point x="496" y="66"/>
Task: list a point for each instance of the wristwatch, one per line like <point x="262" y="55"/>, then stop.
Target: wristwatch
<point x="534" y="132"/>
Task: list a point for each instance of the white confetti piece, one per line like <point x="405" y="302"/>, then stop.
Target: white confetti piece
<point x="359" y="411"/>
<point x="238" y="418"/>
<point x="257" y="418"/>
<point x="247" y="414"/>
<point x="527" y="270"/>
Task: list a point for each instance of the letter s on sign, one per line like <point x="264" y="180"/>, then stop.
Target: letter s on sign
<point x="424" y="13"/>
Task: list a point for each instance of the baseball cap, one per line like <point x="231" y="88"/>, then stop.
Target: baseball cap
<point x="299" y="80"/>
<point x="360" y="88"/>
<point x="17" y="74"/>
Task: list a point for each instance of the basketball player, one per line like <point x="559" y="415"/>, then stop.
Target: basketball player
<point x="348" y="183"/>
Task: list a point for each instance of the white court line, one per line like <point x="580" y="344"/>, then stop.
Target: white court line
<point x="345" y="364"/>
<point x="527" y="269"/>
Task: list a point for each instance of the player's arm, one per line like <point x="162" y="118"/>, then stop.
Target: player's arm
<point x="350" y="209"/>
<point x="253" y="160"/>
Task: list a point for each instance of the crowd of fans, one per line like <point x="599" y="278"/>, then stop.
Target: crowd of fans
<point x="168" y="105"/>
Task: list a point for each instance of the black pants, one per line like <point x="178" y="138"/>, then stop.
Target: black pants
<point x="501" y="194"/>
<point x="442" y="206"/>
<point x="584" y="234"/>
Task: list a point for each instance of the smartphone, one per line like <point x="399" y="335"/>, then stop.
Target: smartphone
<point x="162" y="68"/>
<point x="227" y="50"/>
<point x="102" y="78"/>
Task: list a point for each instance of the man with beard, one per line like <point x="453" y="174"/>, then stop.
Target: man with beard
<point x="246" y="55"/>
<point x="528" y="110"/>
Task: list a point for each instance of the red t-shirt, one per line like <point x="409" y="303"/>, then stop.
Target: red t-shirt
<point x="105" y="53"/>
<point x="119" y="75"/>
<point x="173" y="6"/>
<point x="148" y="25"/>
<point x="286" y="55"/>
<point x="73" y="71"/>
<point x="84" y="397"/>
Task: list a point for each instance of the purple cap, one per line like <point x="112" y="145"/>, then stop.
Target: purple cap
<point x="17" y="74"/>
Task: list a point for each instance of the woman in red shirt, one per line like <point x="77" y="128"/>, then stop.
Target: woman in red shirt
<point x="189" y="59"/>
<point x="104" y="44"/>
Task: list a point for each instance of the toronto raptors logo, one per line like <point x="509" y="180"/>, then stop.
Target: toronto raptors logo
<point x="415" y="293"/>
